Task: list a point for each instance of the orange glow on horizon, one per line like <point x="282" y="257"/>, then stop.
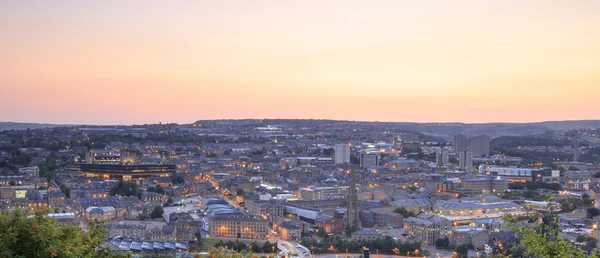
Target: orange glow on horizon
<point x="472" y="61"/>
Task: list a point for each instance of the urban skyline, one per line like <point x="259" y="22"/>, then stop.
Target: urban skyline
<point x="306" y="129"/>
<point x="125" y="63"/>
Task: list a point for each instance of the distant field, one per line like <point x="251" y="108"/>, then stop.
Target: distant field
<point x="209" y="242"/>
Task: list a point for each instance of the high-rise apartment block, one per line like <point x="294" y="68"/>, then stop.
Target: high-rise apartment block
<point x="465" y="161"/>
<point x="342" y="153"/>
<point x="460" y="143"/>
<point x="480" y="145"/>
<point x="441" y="157"/>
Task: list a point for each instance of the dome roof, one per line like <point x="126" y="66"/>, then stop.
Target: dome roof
<point x="331" y="179"/>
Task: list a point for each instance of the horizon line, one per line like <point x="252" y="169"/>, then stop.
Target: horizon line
<point x="314" y="119"/>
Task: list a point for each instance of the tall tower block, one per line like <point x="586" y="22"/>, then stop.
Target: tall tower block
<point x="576" y="148"/>
<point x="352" y="206"/>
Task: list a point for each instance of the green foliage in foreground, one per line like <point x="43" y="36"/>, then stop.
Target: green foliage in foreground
<point x="540" y="239"/>
<point x="40" y="236"/>
<point x="385" y="245"/>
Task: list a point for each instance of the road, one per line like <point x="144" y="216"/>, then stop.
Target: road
<point x="344" y="255"/>
<point x="289" y="247"/>
<point x="569" y="237"/>
<point x="439" y="253"/>
<point x="434" y="254"/>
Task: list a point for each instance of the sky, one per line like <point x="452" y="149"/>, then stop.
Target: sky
<point x="135" y="62"/>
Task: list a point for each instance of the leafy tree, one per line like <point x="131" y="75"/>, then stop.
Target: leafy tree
<point x="142" y="216"/>
<point x="349" y="229"/>
<point x="157" y="212"/>
<point x="239" y="192"/>
<point x="517" y="251"/>
<point x="41" y="236"/>
<point x="385" y="245"/>
<point x="516" y="186"/>
<point x="463" y="250"/>
<point x="405" y="212"/>
<point x="535" y="186"/>
<point x="354" y="159"/>
<point x="587" y="200"/>
<point x="321" y="232"/>
<point x="591" y="242"/>
<point x="10" y="148"/>
<point x="219" y="244"/>
<point x="157" y="189"/>
<point x="66" y="190"/>
<point x="178" y="180"/>
<point x="239" y="246"/>
<point x="511" y="195"/>
<point x="20" y="160"/>
<point x="124" y="188"/>
<point x="588" y="240"/>
<point x="541" y="240"/>
<point x="198" y="235"/>
<point x="268" y="247"/>
<point x="569" y="204"/>
<point x="221" y="253"/>
<point x="254" y="247"/>
<point x="442" y="242"/>
<point x="530" y="194"/>
<point x="229" y="244"/>
<point x="329" y="151"/>
<point x="592" y="212"/>
<point x="412" y="188"/>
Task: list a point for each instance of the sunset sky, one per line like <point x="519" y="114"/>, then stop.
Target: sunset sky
<point x="132" y="62"/>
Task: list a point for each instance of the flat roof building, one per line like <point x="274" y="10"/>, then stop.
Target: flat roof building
<point x="126" y="172"/>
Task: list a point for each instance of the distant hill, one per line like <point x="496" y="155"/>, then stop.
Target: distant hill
<point x="23" y="126"/>
<point x="447" y="130"/>
<point x="441" y="130"/>
<point x="499" y="129"/>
